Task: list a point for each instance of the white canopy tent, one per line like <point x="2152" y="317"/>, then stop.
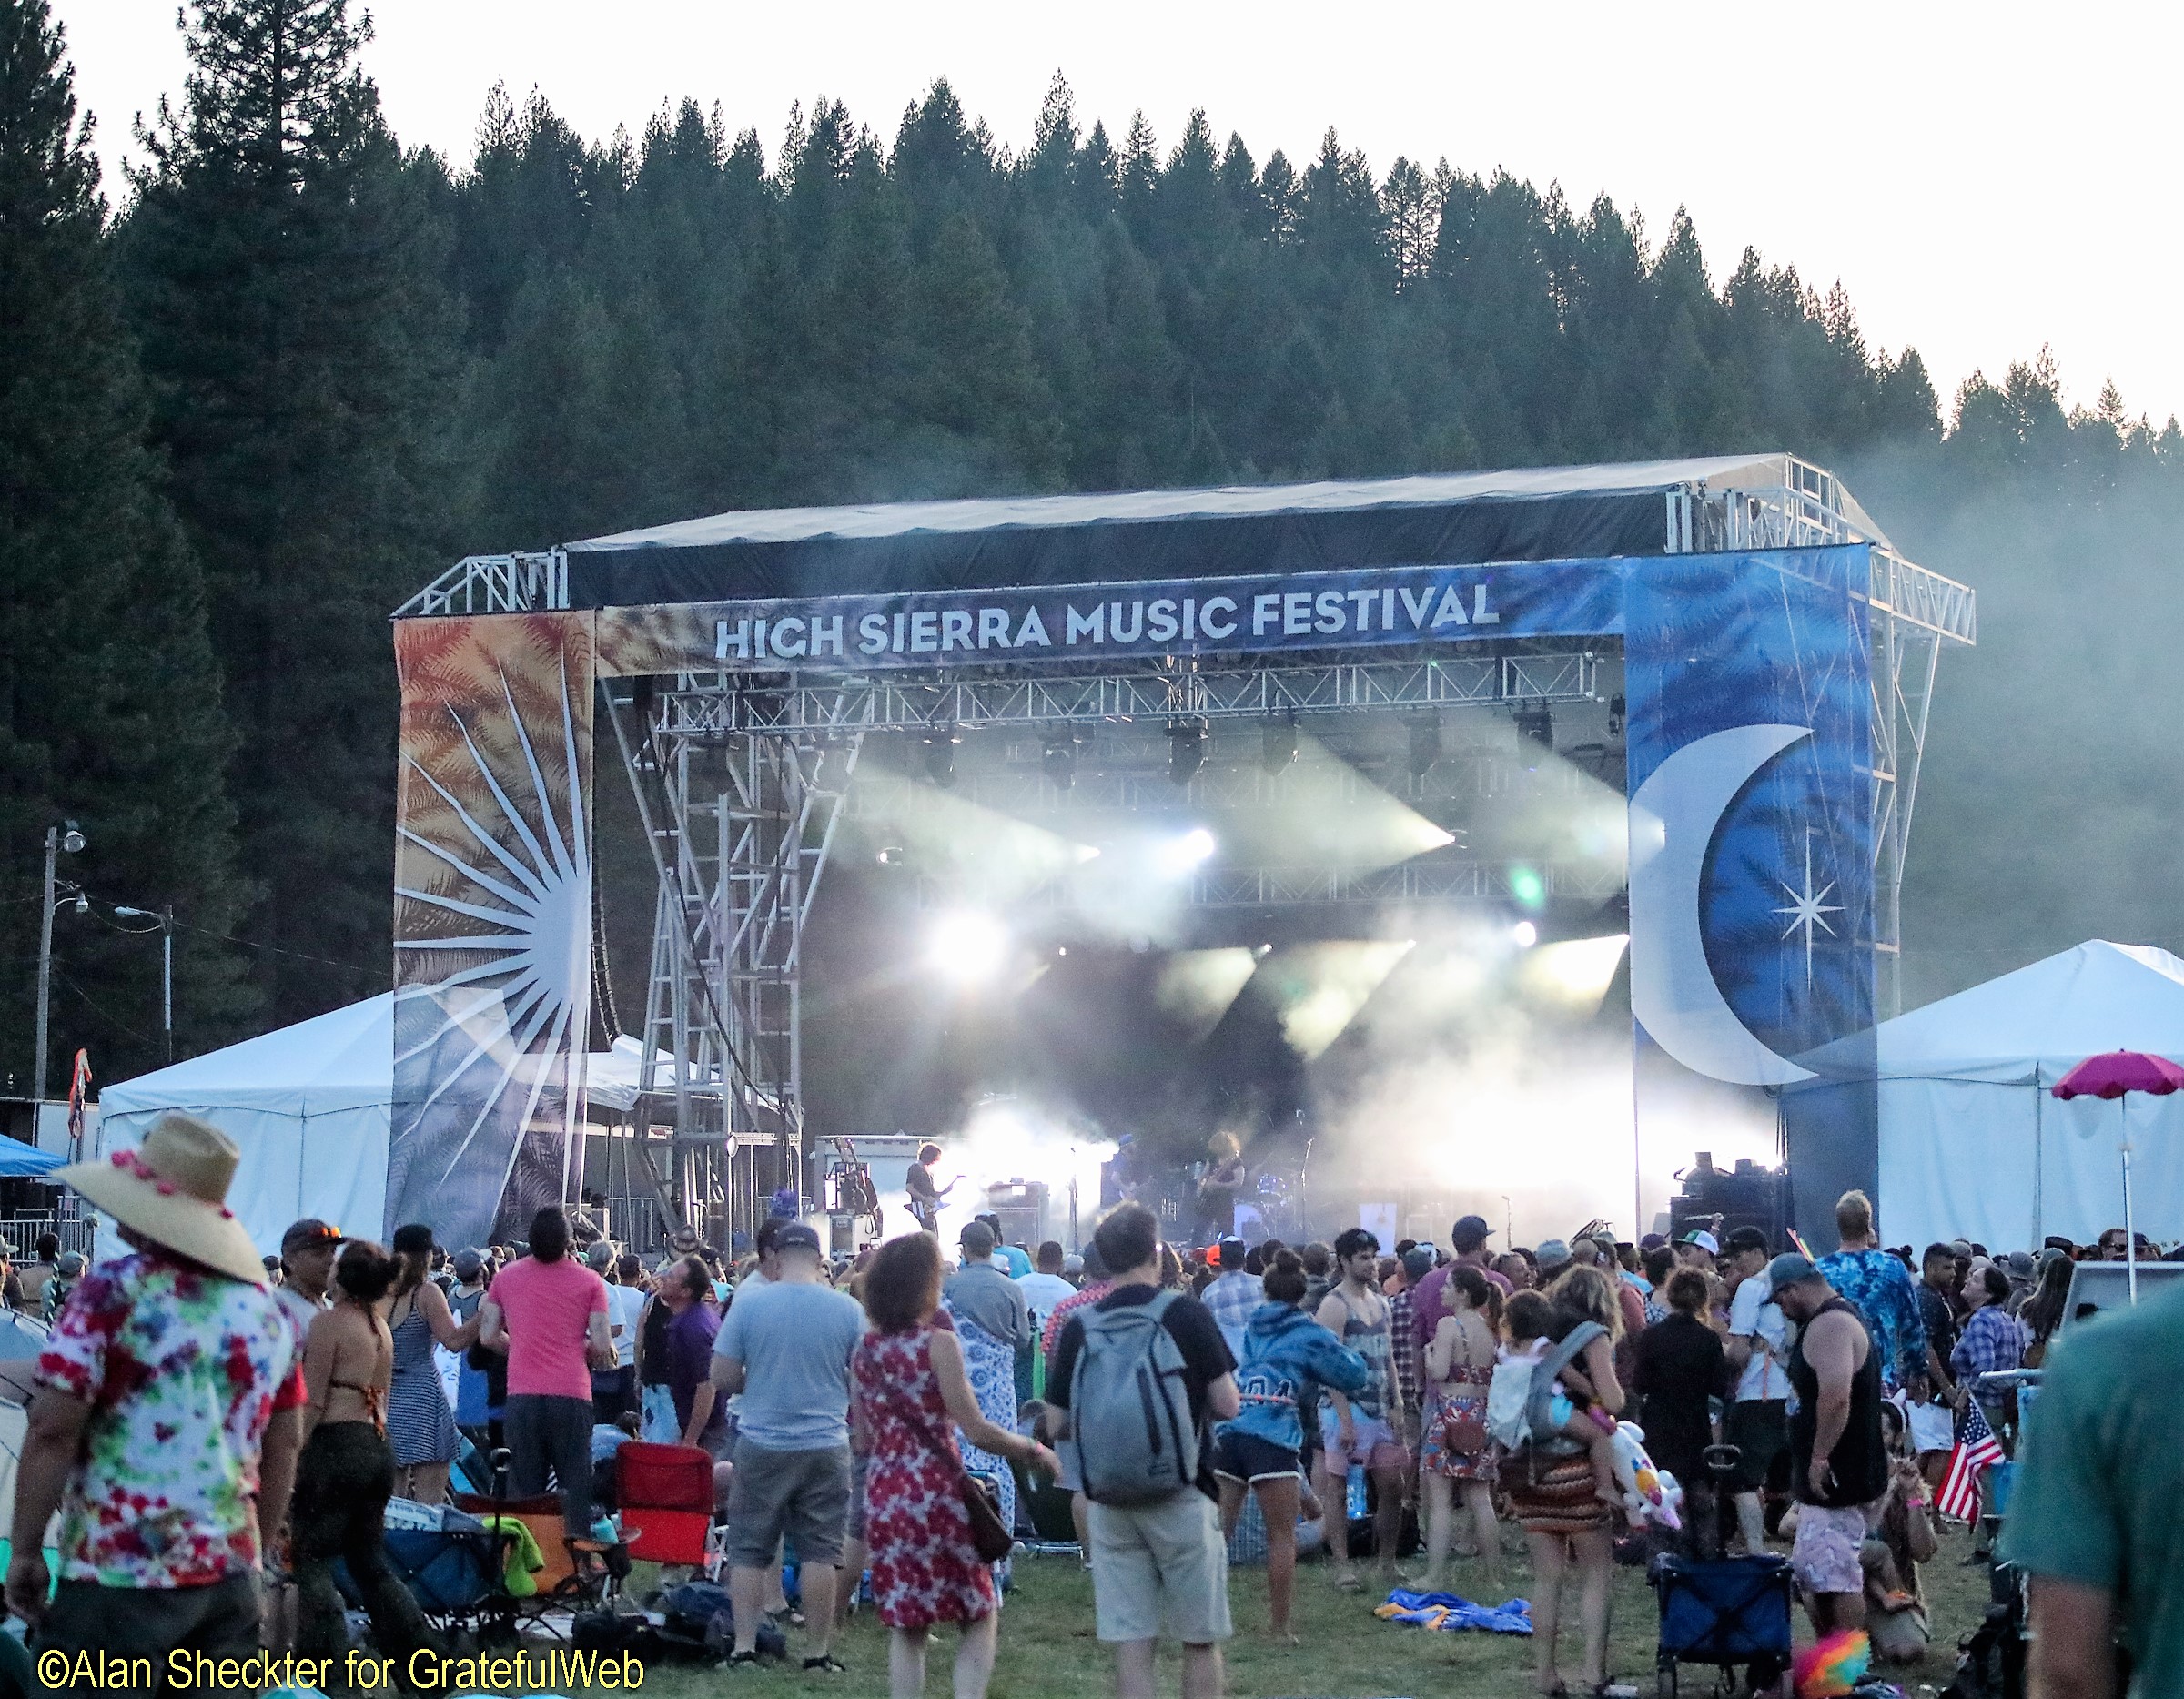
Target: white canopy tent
<point x="310" y="1105"/>
<point x="1972" y="1144"/>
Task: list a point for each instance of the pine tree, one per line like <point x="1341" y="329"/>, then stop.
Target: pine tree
<point x="282" y="270"/>
<point x="109" y="703"/>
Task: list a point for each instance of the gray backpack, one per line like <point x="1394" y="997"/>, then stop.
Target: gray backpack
<point x="1131" y="1437"/>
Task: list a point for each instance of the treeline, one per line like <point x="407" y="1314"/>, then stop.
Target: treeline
<point x="300" y="369"/>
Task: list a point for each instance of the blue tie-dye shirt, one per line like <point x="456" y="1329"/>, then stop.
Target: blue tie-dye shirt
<point x="1879" y="1288"/>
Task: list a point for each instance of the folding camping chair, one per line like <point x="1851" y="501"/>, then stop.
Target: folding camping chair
<point x="454" y="1573"/>
<point x="575" y="1577"/>
<point x="665" y="1493"/>
<point x="1734" y="1610"/>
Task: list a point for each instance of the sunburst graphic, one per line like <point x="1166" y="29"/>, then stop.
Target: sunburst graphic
<point x="518" y="1002"/>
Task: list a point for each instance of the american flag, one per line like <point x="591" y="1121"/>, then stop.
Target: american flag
<point x="1976" y="1449"/>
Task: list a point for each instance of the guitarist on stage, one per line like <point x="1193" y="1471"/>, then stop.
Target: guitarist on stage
<point x="924" y="1198"/>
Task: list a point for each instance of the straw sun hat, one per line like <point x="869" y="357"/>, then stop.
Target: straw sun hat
<point x="174" y="1189"/>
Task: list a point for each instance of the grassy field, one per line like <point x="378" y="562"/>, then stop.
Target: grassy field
<point x="1048" y="1651"/>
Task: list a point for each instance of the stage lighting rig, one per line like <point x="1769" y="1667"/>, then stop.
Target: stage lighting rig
<point x="1277" y="743"/>
<point x="1535" y="720"/>
<point x="1186" y="749"/>
<point x="1057" y="760"/>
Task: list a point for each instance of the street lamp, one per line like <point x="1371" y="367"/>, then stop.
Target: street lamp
<point x="166" y="918"/>
<point x="68" y="837"/>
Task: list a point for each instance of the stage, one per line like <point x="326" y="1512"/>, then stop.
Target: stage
<point x="1509" y="834"/>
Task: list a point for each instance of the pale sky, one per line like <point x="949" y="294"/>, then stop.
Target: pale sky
<point x="1982" y="179"/>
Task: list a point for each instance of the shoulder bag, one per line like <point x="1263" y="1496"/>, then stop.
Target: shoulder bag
<point x="991" y="1538"/>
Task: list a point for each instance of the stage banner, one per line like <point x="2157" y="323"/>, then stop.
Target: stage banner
<point x="492" y="919"/>
<point x="1748" y="679"/>
<point x="1098" y="624"/>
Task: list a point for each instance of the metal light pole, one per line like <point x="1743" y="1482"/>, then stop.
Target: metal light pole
<point x="57" y="838"/>
<point x="166" y="918"/>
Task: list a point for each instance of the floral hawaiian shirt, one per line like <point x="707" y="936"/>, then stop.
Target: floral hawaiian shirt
<point x="183" y="1369"/>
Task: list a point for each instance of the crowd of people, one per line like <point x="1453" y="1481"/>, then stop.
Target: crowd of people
<point x="202" y="1421"/>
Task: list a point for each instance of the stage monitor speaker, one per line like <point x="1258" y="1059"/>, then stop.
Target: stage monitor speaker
<point x="1745" y="1196"/>
<point x="1022" y="1206"/>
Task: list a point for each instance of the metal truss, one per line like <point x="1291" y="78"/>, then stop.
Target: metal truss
<point x="495" y="584"/>
<point x="1434" y="880"/>
<point x="820" y="704"/>
<point x="740" y="834"/>
<point x="1108" y="779"/>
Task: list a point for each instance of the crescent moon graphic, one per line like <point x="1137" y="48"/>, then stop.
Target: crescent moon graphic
<point x="1673" y="817"/>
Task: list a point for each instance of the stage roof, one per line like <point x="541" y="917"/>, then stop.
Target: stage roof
<point x="1543" y="513"/>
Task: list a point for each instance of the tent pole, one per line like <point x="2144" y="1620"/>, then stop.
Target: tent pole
<point x="2131" y="1232"/>
<point x="2039" y="1153"/>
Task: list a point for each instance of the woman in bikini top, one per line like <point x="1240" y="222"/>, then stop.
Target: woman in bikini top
<point x="348" y="1364"/>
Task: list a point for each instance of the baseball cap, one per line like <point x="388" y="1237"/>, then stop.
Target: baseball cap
<point x="599" y="1257"/>
<point x="1072" y="1264"/>
<point x="1787" y="1270"/>
<point x="796" y="1236"/>
<point x="1417" y="1261"/>
<point x="1704" y="1240"/>
<point x="1748" y="1239"/>
<point x="977" y="1239"/>
<point x="1232" y="1252"/>
<point x="1551" y="1253"/>
<point x="684" y="1239"/>
<point x="469" y="1264"/>
<point x="71" y="1264"/>
<point x="302" y="1234"/>
<point x="1653" y="1241"/>
<point x="1470" y="1230"/>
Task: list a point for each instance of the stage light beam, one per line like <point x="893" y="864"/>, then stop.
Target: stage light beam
<point x="1523" y="935"/>
<point x="1186" y="855"/>
<point x="967" y="947"/>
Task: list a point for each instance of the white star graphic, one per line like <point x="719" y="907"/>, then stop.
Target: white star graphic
<point x="1808" y="908"/>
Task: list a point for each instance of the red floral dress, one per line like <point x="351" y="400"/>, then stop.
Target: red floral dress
<point x="924" y="1569"/>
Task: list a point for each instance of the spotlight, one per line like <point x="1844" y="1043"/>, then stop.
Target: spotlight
<point x="1192" y="850"/>
<point x="940" y="756"/>
<point x="1535" y="720"/>
<point x="1185" y="749"/>
<point x="1425" y="746"/>
<point x="1277" y="743"/>
<point x="1526" y="885"/>
<point x="1615" y="715"/>
<point x="968" y="946"/>
<point x="1059" y="761"/>
<point x="1523" y="935"/>
<point x="891" y="856"/>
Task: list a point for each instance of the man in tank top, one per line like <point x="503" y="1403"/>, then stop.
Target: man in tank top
<point x="1357" y="1429"/>
<point x="1838" y="1464"/>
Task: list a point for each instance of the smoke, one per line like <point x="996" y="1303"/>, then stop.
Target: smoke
<point x="1490" y="1079"/>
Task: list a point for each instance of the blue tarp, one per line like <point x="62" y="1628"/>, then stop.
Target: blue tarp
<point x="22" y="1161"/>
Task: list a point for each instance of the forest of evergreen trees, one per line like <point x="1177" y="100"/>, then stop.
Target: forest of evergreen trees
<point x="299" y="369"/>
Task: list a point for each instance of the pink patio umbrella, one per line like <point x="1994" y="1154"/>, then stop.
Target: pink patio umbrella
<point x="2112" y="1074"/>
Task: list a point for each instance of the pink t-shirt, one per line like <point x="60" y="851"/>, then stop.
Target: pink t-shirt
<point x="548" y="1307"/>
